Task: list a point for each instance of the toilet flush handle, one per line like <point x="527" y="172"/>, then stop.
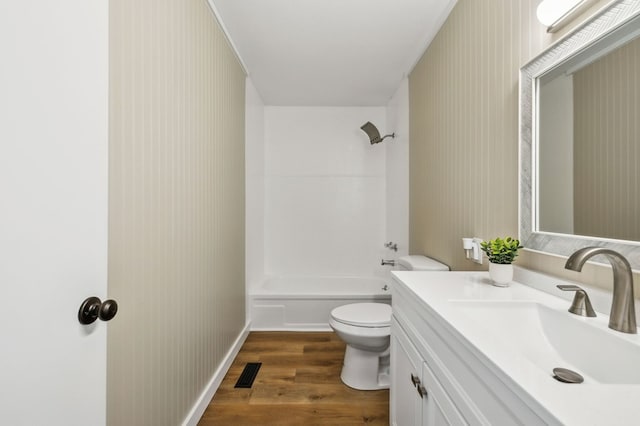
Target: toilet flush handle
<point x="388" y="262"/>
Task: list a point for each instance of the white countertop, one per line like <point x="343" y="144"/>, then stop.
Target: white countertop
<point x="587" y="403"/>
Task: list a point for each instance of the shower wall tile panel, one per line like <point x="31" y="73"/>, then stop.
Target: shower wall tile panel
<point x="325" y="141"/>
<point x="325" y="191"/>
<point x="331" y="225"/>
<point x="176" y="207"/>
<point x="397" y="172"/>
<point x="255" y="184"/>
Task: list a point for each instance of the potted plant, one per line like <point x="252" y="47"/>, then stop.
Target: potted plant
<point x="501" y="253"/>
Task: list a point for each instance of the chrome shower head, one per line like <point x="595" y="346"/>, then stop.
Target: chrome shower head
<point x="373" y="133"/>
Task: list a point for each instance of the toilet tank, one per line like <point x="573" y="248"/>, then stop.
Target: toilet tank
<point x="419" y="263"/>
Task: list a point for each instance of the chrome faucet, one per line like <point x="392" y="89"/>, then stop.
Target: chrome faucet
<point x="623" y="314"/>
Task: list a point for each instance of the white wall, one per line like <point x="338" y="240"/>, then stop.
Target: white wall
<point x="397" y="171"/>
<point x="254" y="169"/>
<point x="325" y="191"/>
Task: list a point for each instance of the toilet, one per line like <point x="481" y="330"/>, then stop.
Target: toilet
<point x="366" y="329"/>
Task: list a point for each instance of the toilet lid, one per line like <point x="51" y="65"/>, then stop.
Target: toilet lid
<point x="363" y="314"/>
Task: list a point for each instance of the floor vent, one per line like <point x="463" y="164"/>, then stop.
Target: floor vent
<point x="248" y="375"/>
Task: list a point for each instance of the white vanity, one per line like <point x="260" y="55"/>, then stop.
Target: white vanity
<point x="466" y="352"/>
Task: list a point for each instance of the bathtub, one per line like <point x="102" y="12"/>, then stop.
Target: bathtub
<point x="302" y="303"/>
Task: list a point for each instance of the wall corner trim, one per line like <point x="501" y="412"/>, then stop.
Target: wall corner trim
<point x="202" y="403"/>
<point x="424" y="44"/>
<point x="235" y="50"/>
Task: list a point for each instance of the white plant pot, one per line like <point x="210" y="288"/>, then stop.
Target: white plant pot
<point x="502" y="275"/>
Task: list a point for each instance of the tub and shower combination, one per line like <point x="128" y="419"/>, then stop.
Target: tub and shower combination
<point x="304" y="303"/>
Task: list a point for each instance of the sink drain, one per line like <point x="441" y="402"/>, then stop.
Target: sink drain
<point x="567" y="376"/>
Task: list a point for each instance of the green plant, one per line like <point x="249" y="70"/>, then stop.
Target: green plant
<point x="501" y="251"/>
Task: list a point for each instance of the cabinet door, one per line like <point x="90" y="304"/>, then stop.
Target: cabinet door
<point x="437" y="409"/>
<point x="406" y="366"/>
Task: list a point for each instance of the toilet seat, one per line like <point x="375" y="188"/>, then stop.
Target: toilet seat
<point x="367" y="315"/>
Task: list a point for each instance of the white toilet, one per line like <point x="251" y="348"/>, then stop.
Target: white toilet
<point x="366" y="327"/>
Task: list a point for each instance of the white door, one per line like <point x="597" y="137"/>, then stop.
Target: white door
<point x="53" y="210"/>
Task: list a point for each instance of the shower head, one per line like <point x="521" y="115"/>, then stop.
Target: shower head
<point x="373" y="133"/>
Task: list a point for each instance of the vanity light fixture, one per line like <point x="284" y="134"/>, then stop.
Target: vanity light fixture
<point x="555" y="14"/>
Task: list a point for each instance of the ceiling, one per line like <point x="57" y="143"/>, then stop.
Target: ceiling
<point x="330" y="52"/>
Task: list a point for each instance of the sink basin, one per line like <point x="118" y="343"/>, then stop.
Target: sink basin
<point x="550" y="338"/>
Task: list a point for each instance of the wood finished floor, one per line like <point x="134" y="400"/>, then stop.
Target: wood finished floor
<point x="298" y="384"/>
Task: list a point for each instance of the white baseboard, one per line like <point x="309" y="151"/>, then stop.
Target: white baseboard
<point x="201" y="404"/>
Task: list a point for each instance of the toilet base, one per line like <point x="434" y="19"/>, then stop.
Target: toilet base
<point x="365" y="370"/>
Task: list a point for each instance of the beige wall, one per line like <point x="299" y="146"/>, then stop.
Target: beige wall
<point x="176" y="207"/>
<point x="464" y="127"/>
<point x="464" y="132"/>
<point x="555" y="155"/>
<point x="607" y="154"/>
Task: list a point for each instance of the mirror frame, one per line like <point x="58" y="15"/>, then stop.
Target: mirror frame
<point x="610" y="18"/>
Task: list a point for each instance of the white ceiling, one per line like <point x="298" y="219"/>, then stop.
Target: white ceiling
<point x="330" y="52"/>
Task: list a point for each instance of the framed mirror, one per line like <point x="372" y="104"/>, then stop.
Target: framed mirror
<point x="580" y="138"/>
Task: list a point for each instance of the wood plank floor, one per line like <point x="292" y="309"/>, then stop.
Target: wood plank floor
<point x="298" y="384"/>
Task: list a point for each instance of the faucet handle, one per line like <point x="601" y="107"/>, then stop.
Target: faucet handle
<point x="581" y="304"/>
<point x="391" y="246"/>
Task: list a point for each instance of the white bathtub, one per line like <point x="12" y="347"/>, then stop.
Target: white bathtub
<point x="304" y="303"/>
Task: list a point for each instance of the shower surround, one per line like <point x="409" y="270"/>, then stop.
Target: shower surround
<point x="324" y="192"/>
<point x="319" y="202"/>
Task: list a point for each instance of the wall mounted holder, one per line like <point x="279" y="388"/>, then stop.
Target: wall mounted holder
<point x="472" y="249"/>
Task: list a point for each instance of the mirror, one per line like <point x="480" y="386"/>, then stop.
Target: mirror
<point x="580" y="138"/>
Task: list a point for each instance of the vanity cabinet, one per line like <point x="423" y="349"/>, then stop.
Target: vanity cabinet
<point x="459" y="385"/>
<point x="417" y="398"/>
